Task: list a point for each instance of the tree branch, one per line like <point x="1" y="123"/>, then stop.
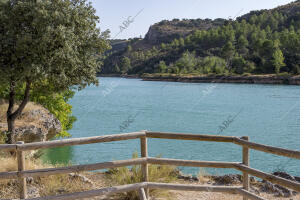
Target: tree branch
<point x="11" y="101"/>
<point x="24" y="102"/>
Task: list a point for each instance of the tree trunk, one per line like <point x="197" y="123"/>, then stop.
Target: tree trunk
<point x="12" y="116"/>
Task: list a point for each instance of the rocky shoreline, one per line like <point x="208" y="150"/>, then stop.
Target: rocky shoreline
<point x="249" y="79"/>
<point x="261" y="186"/>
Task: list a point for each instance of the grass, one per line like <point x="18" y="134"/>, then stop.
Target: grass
<point x="157" y="173"/>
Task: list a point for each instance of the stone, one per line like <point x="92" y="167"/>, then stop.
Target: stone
<point x="33" y="192"/>
<point x="29" y="180"/>
<point x="82" y="178"/>
<point x="284" y="175"/>
<point x="228" y="179"/>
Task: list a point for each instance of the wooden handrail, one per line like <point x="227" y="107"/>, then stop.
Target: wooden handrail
<point x="80" y="141"/>
<point x="269" y="177"/>
<point x="93" y="193"/>
<point x="268" y="149"/>
<point x="8" y="147"/>
<point x="81" y="168"/>
<point x="191" y="163"/>
<point x="187" y="136"/>
<point x="169" y="186"/>
<point x="249" y="195"/>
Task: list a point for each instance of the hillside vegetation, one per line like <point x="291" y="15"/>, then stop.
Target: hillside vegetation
<point x="261" y="42"/>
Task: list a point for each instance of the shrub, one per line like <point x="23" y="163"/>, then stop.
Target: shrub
<point x="157" y="173"/>
<point x="2" y="137"/>
<point x="285" y="74"/>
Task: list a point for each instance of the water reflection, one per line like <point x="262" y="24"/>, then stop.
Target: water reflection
<point x="59" y="155"/>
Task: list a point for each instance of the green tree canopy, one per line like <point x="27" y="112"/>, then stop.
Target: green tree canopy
<point x="125" y="64"/>
<point x="53" y="40"/>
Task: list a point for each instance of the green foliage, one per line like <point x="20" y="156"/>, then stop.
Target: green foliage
<point x="3" y="138"/>
<point x="156" y="173"/>
<point x="57" y="103"/>
<point x="53" y="40"/>
<point x="49" y="44"/>
<point x="278" y="60"/>
<point x="162" y="66"/>
<point x="241" y="66"/>
<point x="213" y="64"/>
<point x="186" y="63"/>
<point x="125" y="64"/>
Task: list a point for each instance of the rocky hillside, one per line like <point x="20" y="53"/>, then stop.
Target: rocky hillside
<point x="261" y="42"/>
<point x="166" y="31"/>
<point x="36" y="123"/>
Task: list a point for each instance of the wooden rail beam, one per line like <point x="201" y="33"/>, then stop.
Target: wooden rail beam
<point x="79" y="168"/>
<point x="80" y="141"/>
<point x="169" y="186"/>
<point x="185" y="136"/>
<point x="8" y="147"/>
<point x="191" y="163"/>
<point x="269" y="177"/>
<point x="268" y="149"/>
<point x="249" y="195"/>
<point x="94" y="193"/>
<point x="8" y="175"/>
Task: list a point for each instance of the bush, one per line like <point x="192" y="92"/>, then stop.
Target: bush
<point x="246" y="74"/>
<point x="157" y="173"/>
<point x="285" y="74"/>
<point x="2" y="137"/>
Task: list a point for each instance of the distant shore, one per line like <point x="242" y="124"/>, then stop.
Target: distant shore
<point x="249" y="79"/>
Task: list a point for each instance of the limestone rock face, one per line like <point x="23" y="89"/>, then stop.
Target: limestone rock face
<point x="36" y="124"/>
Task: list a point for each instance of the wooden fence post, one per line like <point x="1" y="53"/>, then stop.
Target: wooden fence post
<point x="144" y="154"/>
<point x="246" y="184"/>
<point x="21" y="167"/>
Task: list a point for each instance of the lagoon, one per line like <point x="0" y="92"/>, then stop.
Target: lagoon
<point x="268" y="114"/>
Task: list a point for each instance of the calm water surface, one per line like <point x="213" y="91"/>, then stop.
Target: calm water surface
<point x="268" y="114"/>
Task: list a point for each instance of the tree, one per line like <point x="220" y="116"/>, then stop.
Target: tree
<point x="116" y="68"/>
<point x="125" y="64"/>
<point x="242" y="45"/>
<point x="228" y="52"/>
<point x="53" y="41"/>
<point x="162" y="66"/>
<point x="129" y="48"/>
<point x="278" y="60"/>
<point x="163" y="46"/>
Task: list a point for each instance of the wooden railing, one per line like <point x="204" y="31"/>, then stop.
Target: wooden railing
<point x="144" y="187"/>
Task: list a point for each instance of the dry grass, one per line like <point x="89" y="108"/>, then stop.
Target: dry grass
<point x="29" y="107"/>
<point x="46" y="186"/>
<point x="157" y="173"/>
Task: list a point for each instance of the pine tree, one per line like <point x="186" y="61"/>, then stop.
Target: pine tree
<point x="278" y="60"/>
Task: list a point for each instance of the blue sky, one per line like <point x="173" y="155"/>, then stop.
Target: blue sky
<point x="113" y="13"/>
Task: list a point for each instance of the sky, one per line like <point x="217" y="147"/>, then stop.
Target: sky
<point x="116" y="13"/>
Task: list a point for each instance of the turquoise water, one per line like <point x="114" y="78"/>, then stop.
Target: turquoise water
<point x="268" y="114"/>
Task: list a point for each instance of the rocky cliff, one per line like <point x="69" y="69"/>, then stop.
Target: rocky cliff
<point x="165" y="31"/>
